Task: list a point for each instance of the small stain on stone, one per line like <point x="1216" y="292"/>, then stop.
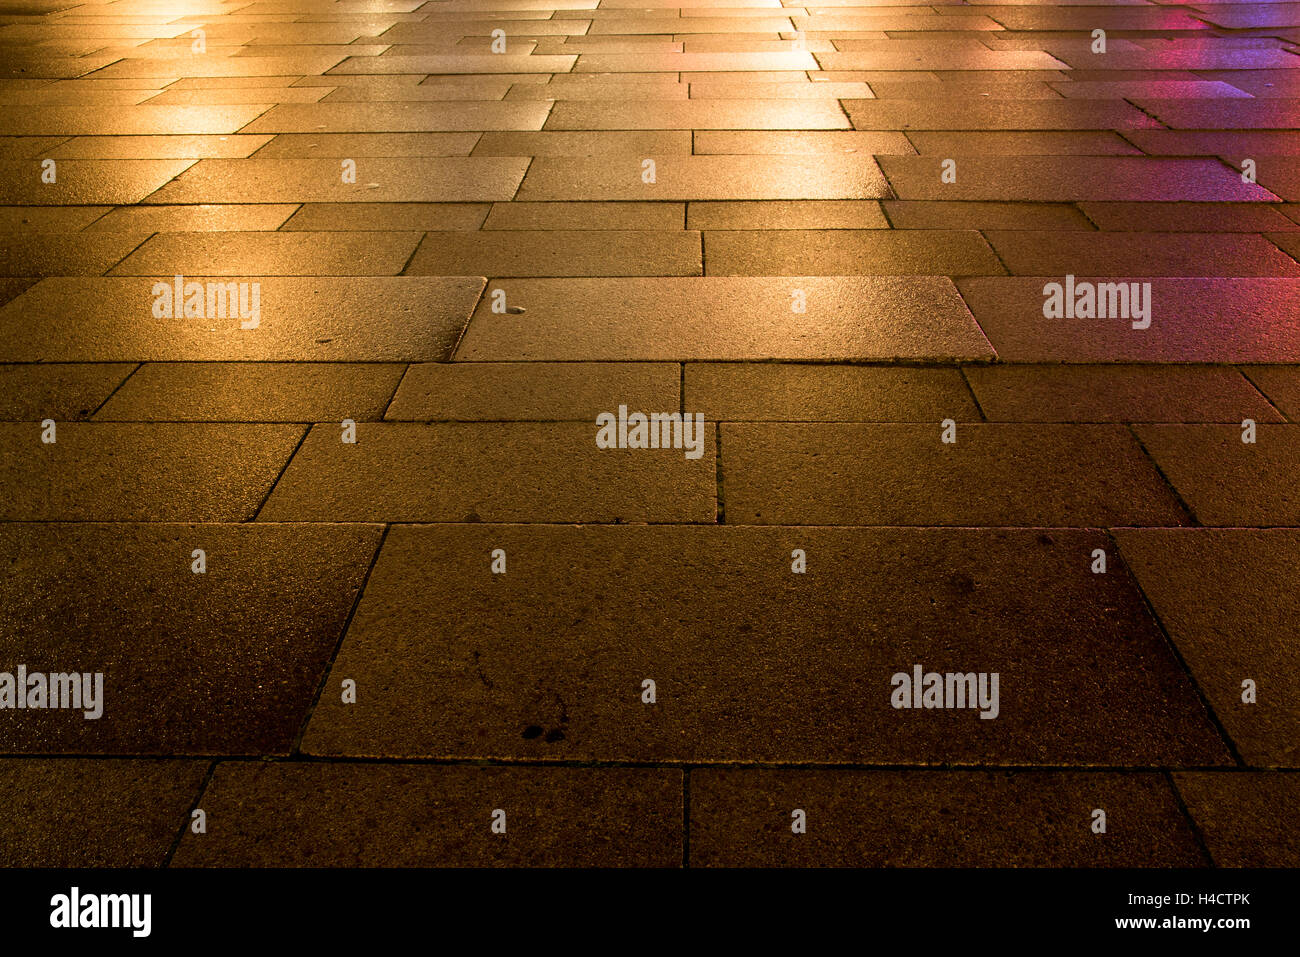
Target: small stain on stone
<point x="532" y="731"/>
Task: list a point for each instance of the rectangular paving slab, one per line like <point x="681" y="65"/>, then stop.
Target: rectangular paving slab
<point x="492" y="472"/>
<point x="1116" y="393"/>
<point x="253" y="392"/>
<point x="223" y="662"/>
<point x="83" y="812"/>
<point x="1191" y="320"/>
<point x="113" y="320"/>
<point x="378" y="180"/>
<point x="532" y="391"/>
<point x="725" y="318"/>
<point x="59" y="391"/>
<point x="419" y="815"/>
<point x="704" y="177"/>
<point x="743" y="818"/>
<point x="1228" y="481"/>
<point x="784" y="392"/>
<point x="91" y="472"/>
<point x="992" y="474"/>
<point x="1245" y="818"/>
<point x="1216" y="593"/>
<point x="749" y="661"/>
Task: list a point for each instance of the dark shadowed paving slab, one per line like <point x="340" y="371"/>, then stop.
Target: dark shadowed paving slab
<point x="418" y="815"/>
<point x="83" y="812"/>
<point x="892" y="474"/>
<point x="200" y="471"/>
<point x="752" y="662"/>
<point x="224" y="662"/>
<point x="112" y="320"/>
<point x="1247" y="819"/>
<point x="715" y="317"/>
<point x="1217" y="593"/>
<point x="491" y="472"/>
<point x="743" y="818"/>
<point x="57" y="391"/>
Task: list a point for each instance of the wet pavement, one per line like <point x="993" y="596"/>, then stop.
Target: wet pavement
<point x="638" y="433"/>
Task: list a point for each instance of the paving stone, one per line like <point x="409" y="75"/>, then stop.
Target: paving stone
<point x="815" y="214"/>
<point x="86" y="182"/>
<point x="37" y="254"/>
<point x="254" y="392"/>
<point x="1226" y="481"/>
<point x="203" y="218"/>
<point x="729" y="90"/>
<point x="80" y="812"/>
<point x="848" y="253"/>
<point x="1068" y="179"/>
<point x="742" y="818"/>
<point x="1244" y="818"/>
<point x="670" y="609"/>
<point x="583" y="143"/>
<point x="352" y="145"/>
<point x="48" y="219"/>
<point x="816" y="142"/>
<point x="221" y="663"/>
<point x="940" y="59"/>
<point x="698" y="115"/>
<point x="1211" y="142"/>
<point x="1223" y="114"/>
<point x="1113" y="393"/>
<point x="490" y="472"/>
<point x="1004" y="474"/>
<point x="812" y="393"/>
<point x="434" y="180"/>
<point x="96" y="473"/>
<point x="419" y="217"/>
<point x="532" y="391"/>
<point x="530" y="252"/>
<point x="940" y="214"/>
<point x="602" y="216"/>
<point x="1281" y="384"/>
<point x="399" y="117"/>
<point x="1213" y="590"/>
<point x="982" y="113"/>
<point x="1021" y="143"/>
<point x="1193" y="320"/>
<point x="419" y="815"/>
<point x="454" y="63"/>
<point x="1185" y="217"/>
<point x="689" y="62"/>
<point x="272" y="254"/>
<point x="1047" y="253"/>
<point x="33" y="392"/>
<point x="725" y="318"/>
<point x="187" y="65"/>
<point x="111" y="320"/>
<point x="143" y="120"/>
<point x="158" y="147"/>
<point x="705" y="177"/>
